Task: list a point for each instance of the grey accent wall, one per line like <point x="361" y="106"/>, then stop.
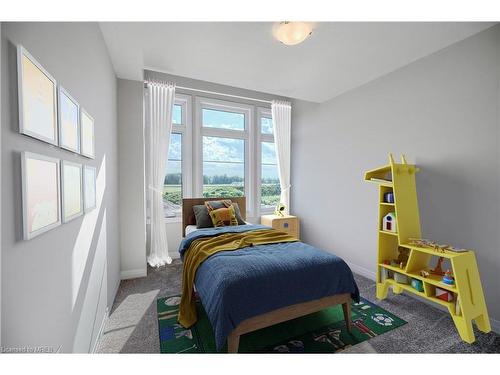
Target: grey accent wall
<point x="132" y="173"/>
<point x="57" y="287"/>
<point x="442" y="112"/>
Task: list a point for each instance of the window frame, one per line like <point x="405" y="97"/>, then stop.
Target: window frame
<point x="247" y="135"/>
<point x="262" y="112"/>
<point x="185" y="130"/>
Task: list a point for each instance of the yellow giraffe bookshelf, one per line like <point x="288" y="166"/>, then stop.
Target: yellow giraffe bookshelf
<point x="468" y="302"/>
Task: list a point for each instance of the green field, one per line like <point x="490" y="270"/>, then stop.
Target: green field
<point x="270" y="193"/>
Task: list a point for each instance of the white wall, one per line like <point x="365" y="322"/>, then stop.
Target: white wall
<point x="56" y="287"/>
<point x="131" y="180"/>
<point x="442" y="112"/>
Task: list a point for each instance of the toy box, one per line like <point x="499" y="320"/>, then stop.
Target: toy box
<point x="417" y="285"/>
<point x="400" y="278"/>
<point x="444" y="295"/>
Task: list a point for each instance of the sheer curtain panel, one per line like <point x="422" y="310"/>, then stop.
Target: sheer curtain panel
<point x="160" y="104"/>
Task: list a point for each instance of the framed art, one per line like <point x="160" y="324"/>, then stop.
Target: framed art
<point x="40" y="194"/>
<point x="87" y="134"/>
<point x="89" y="188"/>
<point x="37" y="98"/>
<point x="69" y="121"/>
<point x="72" y="195"/>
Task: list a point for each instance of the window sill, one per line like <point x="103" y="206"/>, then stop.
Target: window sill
<point x="171" y="220"/>
<point x="168" y="220"/>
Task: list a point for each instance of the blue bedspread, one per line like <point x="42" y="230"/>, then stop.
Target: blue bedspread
<point x="237" y="285"/>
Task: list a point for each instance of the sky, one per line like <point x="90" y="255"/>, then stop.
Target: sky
<point x="223" y="155"/>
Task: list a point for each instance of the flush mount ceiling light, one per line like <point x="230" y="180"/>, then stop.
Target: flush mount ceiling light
<point x="292" y="33"/>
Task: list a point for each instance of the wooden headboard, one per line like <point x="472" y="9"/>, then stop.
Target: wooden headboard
<point x="188" y="214"/>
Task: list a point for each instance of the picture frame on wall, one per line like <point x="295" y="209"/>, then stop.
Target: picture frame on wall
<point x="40" y="194"/>
<point x="87" y="134"/>
<point x="37" y="99"/>
<point x="89" y="188"/>
<point x="69" y="121"/>
<point x="72" y="190"/>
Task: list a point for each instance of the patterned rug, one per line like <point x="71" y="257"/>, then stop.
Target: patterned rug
<point x="321" y="332"/>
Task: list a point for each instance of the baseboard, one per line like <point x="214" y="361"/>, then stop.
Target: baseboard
<point x="362" y="271"/>
<point x="101" y="330"/>
<point x="495" y="324"/>
<point x="133" y="274"/>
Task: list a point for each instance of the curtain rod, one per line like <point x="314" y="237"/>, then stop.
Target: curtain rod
<point x="220" y="93"/>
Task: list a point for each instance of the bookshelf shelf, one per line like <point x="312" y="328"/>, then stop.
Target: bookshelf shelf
<point x="468" y="304"/>
<point x="389" y="233"/>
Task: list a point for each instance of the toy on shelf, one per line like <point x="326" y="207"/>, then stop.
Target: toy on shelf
<point x="438" y="270"/>
<point x="444" y="295"/>
<point x="389" y="222"/>
<point x="424" y="273"/>
<point x="417" y="285"/>
<point x="389" y="197"/>
<point x="448" y="278"/>
<point x="384" y="274"/>
<point x="404" y="254"/>
<point x="400" y="278"/>
<point x="435" y="246"/>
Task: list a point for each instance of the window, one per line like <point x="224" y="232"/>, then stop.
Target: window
<point x="269" y="181"/>
<point x="178" y="169"/>
<point x="269" y="177"/>
<point x="225" y="147"/>
<point x="177" y="115"/>
<point x="223" y="167"/>
<point x="172" y="191"/>
<point x="223" y="119"/>
<point x="266" y="125"/>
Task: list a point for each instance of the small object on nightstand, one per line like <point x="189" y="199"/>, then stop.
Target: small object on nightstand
<point x="280" y="210"/>
<point x="285" y="223"/>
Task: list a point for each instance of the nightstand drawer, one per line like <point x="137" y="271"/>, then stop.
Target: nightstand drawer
<point x="285" y="225"/>
<point x="289" y="224"/>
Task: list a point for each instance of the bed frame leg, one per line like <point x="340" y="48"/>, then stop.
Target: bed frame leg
<point x="347" y="315"/>
<point x="233" y="341"/>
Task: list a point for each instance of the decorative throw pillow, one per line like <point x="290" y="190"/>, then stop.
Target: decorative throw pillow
<point x="214" y="205"/>
<point x="202" y="217"/>
<point x="223" y="216"/>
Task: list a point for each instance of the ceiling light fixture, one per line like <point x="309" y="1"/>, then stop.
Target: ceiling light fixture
<point x="292" y="33"/>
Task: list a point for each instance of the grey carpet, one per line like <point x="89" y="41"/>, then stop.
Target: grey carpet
<point x="132" y="325"/>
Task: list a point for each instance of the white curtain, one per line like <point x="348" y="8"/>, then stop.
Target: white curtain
<point x="160" y="105"/>
<point x="281" y="112"/>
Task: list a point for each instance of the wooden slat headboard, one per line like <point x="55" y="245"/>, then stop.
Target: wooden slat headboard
<point x="188" y="214"/>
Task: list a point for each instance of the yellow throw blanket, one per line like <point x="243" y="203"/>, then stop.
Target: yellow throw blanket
<point x="201" y="249"/>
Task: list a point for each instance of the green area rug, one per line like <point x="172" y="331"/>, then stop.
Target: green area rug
<point x="321" y="332"/>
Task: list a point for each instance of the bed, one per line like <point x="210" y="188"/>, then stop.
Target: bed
<point x="233" y="286"/>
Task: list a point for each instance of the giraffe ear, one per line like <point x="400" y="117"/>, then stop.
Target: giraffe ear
<point x="403" y="159"/>
<point x="391" y="159"/>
